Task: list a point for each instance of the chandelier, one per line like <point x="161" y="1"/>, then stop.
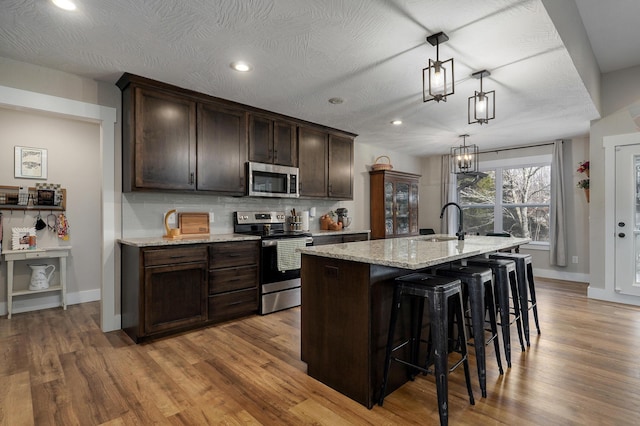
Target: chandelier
<point x="464" y="158"/>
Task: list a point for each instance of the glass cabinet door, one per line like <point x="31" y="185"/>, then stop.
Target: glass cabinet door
<point x="388" y="208"/>
<point x="402" y="208"/>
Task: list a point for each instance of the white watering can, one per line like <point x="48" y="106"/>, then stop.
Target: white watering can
<point x="39" y="277"/>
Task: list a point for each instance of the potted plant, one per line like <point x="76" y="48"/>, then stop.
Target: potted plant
<point x="584" y="183"/>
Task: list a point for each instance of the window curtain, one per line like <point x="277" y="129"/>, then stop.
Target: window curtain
<point x="558" y="234"/>
<point x="447" y="194"/>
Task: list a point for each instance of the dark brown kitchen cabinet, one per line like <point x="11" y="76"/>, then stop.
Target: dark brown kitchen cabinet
<point x="233" y="280"/>
<point x="394" y="203"/>
<point x="326" y="164"/>
<point x="221" y="149"/>
<point x="272" y="141"/>
<point x="159" y="140"/>
<point x="164" y="290"/>
<point x="340" y="167"/>
<point x="320" y="240"/>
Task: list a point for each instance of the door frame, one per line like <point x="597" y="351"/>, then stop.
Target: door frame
<point x="106" y="118"/>
<point x="609" y="143"/>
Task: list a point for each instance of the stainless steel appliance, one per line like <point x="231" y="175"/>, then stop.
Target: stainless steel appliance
<point x="343" y="217"/>
<point x="271" y="180"/>
<point x="279" y="284"/>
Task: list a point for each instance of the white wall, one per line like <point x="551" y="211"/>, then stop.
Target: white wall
<point x="74" y="162"/>
<point x="621" y="115"/>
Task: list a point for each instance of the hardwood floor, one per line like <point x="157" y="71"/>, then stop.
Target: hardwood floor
<point x="57" y="367"/>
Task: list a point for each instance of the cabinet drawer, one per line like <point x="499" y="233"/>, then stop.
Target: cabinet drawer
<point x="231" y="305"/>
<point x="171" y="256"/>
<point x="231" y="279"/>
<point x="352" y="238"/>
<point x="225" y="255"/>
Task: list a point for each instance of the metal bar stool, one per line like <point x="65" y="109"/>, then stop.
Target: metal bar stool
<point x="524" y="269"/>
<point x="504" y="274"/>
<point x="479" y="285"/>
<point x="437" y="291"/>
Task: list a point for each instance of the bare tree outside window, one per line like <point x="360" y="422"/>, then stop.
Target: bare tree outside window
<point x="515" y="200"/>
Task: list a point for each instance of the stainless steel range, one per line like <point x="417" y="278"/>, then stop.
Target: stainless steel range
<point x="279" y="261"/>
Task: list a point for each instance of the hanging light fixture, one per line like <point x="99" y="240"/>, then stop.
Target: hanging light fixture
<point x="482" y="105"/>
<point x="464" y="158"/>
<point x="437" y="78"/>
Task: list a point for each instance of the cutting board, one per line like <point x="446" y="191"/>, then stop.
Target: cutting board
<point x="192" y="224"/>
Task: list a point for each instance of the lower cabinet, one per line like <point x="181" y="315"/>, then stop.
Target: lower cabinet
<point x="233" y="280"/>
<point x="167" y="290"/>
<point x="320" y="240"/>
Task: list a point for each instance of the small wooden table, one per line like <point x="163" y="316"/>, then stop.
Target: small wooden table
<point x="41" y="253"/>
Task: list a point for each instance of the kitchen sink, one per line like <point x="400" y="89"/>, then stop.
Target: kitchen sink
<point x="438" y="239"/>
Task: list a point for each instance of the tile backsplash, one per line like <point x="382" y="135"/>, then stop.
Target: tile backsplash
<point x="142" y="213"/>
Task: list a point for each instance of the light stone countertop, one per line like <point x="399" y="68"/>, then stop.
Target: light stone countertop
<point x="159" y="241"/>
<point x="414" y="252"/>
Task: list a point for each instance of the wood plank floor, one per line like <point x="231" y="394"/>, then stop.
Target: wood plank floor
<point x="57" y="367"/>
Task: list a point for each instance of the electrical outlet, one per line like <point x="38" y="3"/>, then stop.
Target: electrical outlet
<point x="574" y="259"/>
<point x="210" y="217"/>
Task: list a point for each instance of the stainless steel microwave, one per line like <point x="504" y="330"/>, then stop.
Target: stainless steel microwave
<point x="271" y="180"/>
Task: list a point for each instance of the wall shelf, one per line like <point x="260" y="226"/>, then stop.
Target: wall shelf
<point x="12" y="192"/>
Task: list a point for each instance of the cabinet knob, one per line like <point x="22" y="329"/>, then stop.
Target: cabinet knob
<point x="621" y="224"/>
<point x="621" y="235"/>
<point x="191" y="178"/>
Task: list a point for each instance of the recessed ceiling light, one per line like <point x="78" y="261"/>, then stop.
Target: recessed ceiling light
<point x="241" y="66"/>
<point x="396" y="122"/>
<point x="65" y="4"/>
<point x="336" y="101"/>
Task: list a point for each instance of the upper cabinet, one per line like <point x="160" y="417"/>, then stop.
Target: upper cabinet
<point x="175" y="139"/>
<point x="271" y="140"/>
<point x="159" y="140"/>
<point x="325" y="160"/>
<point x="222" y="149"/>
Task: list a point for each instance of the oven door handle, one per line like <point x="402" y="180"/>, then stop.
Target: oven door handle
<point x="272" y="243"/>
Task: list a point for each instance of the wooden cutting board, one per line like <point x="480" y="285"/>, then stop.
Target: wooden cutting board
<point x="193" y="223"/>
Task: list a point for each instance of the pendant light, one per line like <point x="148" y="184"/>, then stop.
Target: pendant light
<point x="482" y="105"/>
<point x="437" y="78"/>
<point x="464" y="158"/>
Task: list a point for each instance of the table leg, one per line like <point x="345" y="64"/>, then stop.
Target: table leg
<point x="63" y="281"/>
<point x="9" y="287"/>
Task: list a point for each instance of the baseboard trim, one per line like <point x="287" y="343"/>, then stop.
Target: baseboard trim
<point x="609" y="296"/>
<point x="560" y="275"/>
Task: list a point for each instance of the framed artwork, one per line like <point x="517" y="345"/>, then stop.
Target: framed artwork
<point x="20" y="237"/>
<point x="30" y="163"/>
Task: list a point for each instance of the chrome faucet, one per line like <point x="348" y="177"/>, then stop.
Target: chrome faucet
<point x="460" y="234"/>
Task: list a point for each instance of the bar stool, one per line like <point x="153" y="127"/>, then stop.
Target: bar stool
<point x="437" y="291"/>
<point x="524" y="269"/>
<point x="479" y="285"/>
<point x="504" y="274"/>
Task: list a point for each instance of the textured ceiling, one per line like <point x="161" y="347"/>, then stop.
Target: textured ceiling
<point x="369" y="52"/>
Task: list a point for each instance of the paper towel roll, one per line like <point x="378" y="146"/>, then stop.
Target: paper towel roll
<point x="305" y="220"/>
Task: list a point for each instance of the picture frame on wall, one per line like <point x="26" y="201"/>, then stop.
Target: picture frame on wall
<point x="30" y="163"/>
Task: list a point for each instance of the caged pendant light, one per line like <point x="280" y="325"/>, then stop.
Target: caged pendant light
<point x="437" y="78"/>
<point x="482" y="105"/>
<point x="464" y="158"/>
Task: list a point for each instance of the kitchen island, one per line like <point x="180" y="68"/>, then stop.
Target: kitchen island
<point x="346" y="303"/>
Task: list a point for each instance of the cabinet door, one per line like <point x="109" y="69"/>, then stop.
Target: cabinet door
<point x="165" y="141"/>
<point x="260" y="139"/>
<point x="413" y="208"/>
<point x="222" y="149"/>
<point x="175" y="296"/>
<point x="312" y="161"/>
<point x="389" y="209"/>
<point x="402" y="217"/>
<point x="340" y="167"/>
<point x="284" y="143"/>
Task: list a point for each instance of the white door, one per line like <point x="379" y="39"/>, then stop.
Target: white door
<point x="627" y="226"/>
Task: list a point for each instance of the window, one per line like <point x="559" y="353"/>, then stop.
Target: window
<point x="513" y="196"/>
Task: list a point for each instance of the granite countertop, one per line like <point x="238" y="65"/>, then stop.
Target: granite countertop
<point x="340" y="232"/>
<point x="159" y="241"/>
<point x="414" y="252"/>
